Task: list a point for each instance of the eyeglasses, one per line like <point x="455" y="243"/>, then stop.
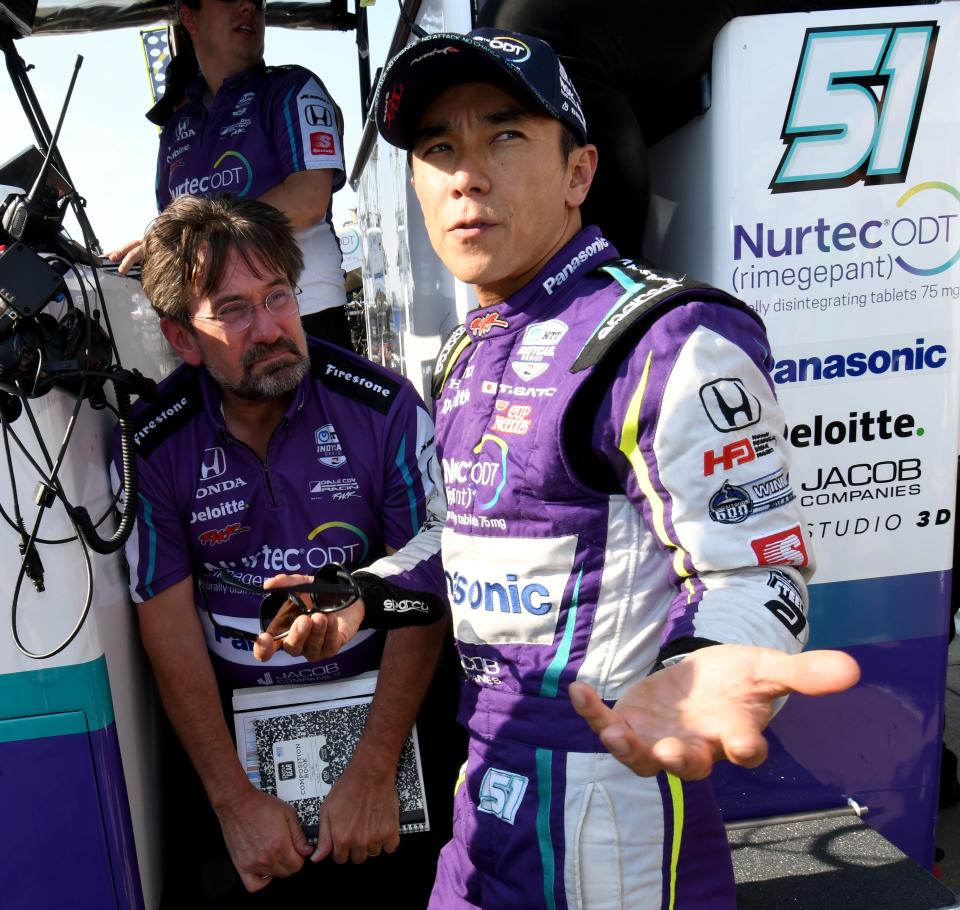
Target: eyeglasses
<point x="333" y="588"/>
<point x="237" y="315"/>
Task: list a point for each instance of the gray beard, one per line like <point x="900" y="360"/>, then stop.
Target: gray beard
<point x="279" y="381"/>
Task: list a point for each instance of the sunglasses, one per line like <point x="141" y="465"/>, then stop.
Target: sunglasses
<point x="333" y="588"/>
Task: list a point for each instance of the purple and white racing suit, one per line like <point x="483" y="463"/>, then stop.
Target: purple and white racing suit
<point x="618" y="494"/>
<point x="263" y="125"/>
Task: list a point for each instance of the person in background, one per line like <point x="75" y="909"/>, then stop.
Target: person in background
<point x="268" y="453"/>
<point x="271" y="133"/>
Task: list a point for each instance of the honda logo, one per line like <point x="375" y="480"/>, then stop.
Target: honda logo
<point x="214" y="463"/>
<point x="729" y="405"/>
<point x="318" y="115"/>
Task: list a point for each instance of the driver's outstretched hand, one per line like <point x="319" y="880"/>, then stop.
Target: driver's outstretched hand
<point x="713" y="704"/>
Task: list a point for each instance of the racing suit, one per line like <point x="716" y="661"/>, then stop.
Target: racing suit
<point x="263" y="125"/>
<point x="618" y="495"/>
<point x="349" y="470"/>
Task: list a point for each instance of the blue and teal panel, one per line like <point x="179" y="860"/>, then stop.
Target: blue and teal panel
<point x="61" y="782"/>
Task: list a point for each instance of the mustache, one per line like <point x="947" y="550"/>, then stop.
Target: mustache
<point x="259" y="351"/>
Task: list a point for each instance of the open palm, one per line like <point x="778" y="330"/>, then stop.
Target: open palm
<point x="714" y="704"/>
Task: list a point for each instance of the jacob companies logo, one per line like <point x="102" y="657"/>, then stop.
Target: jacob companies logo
<point x="855" y="106"/>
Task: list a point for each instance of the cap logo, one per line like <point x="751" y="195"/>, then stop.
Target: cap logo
<point x="513" y="49"/>
<point x="392" y="104"/>
<point x="449" y="49"/>
<point x="570" y="93"/>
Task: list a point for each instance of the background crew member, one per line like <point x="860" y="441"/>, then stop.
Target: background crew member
<point x="267" y="454"/>
<point x="270" y="133"/>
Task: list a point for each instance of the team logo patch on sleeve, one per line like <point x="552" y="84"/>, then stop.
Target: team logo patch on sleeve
<point x="322" y="143"/>
<point x="783" y="548"/>
<point x="729" y="405"/>
<point x="732" y="503"/>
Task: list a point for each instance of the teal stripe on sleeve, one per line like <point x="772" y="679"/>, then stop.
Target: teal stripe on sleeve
<point x="289" y="121"/>
<point x="151" y="544"/>
<point x="401" y="462"/>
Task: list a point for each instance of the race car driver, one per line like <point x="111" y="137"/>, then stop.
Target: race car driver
<point x="624" y="554"/>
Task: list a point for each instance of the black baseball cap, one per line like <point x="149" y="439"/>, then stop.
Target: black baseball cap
<point x="420" y="72"/>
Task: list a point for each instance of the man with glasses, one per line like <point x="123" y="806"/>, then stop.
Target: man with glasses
<point x="269" y="459"/>
<point x="269" y="133"/>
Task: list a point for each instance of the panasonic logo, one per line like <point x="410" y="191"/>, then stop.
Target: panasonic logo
<point x="591" y="249"/>
<point x="860" y="363"/>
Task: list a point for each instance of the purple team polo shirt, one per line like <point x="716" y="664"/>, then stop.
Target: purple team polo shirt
<point x="345" y="477"/>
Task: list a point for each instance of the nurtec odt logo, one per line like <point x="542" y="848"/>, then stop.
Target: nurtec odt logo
<point x="231" y="173"/>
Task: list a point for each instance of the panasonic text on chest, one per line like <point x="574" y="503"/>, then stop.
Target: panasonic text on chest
<point x="571" y="267"/>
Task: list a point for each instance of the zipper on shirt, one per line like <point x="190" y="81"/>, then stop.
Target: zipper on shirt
<point x="264" y="467"/>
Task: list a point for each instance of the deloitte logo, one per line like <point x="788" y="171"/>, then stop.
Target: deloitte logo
<point x="858" y="427"/>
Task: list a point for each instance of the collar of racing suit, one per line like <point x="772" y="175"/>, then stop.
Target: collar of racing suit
<point x="538" y="298"/>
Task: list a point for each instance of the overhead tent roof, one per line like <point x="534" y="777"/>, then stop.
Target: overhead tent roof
<point x="100" y="15"/>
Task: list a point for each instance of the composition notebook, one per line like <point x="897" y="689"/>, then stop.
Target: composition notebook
<point x="296" y="741"/>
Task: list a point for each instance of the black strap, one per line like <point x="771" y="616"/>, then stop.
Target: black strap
<point x="449" y="354"/>
<point x="387" y="606"/>
<point x="647" y="296"/>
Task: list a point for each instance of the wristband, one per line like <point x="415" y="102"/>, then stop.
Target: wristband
<point x="387" y="606"/>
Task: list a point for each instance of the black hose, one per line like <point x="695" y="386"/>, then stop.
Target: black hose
<point x="81" y="518"/>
